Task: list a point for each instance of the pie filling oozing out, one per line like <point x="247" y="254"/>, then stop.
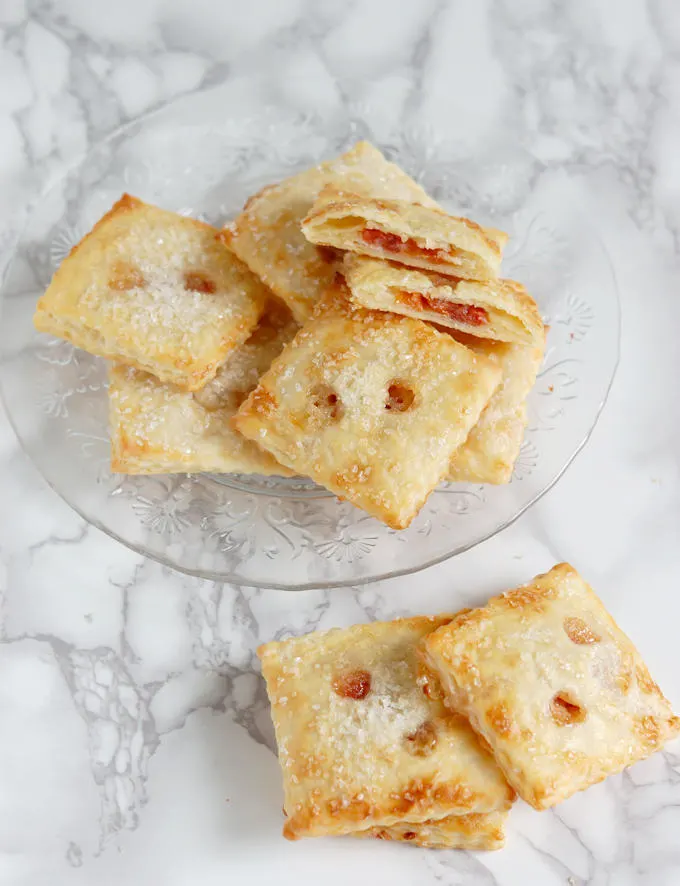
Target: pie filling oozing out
<point x="471" y="315"/>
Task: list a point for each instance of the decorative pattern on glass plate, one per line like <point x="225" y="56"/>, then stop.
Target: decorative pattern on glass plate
<point x="270" y="531"/>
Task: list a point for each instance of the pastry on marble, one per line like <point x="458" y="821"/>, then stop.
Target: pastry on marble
<point x="501" y="310"/>
<point x="157" y="428"/>
<point x="405" y="232"/>
<point x="267" y="235"/>
<point x="153" y="290"/>
<point x="369" y="404"/>
<point x="483" y="830"/>
<point x="491" y="449"/>
<point x="554" y="686"/>
<point x="360" y="744"/>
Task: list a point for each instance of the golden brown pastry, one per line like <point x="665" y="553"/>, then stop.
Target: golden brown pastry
<point x="474" y="832"/>
<point x="360" y="744"/>
<point x="554" y="686"/>
<point x="500" y="310"/>
<point x="371" y="405"/>
<point x="153" y="290"/>
<point x="405" y="232"/>
<point x="267" y="234"/>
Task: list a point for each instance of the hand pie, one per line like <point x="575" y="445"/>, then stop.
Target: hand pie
<point x="405" y="232"/>
<point x="370" y="405"/>
<point x="491" y="449"/>
<point x="154" y="290"/>
<point x="360" y="744"/>
<point x="555" y="687"/>
<point x="501" y="310"/>
<point x="157" y="428"/>
<point x="267" y="235"/>
<point x="475" y="831"/>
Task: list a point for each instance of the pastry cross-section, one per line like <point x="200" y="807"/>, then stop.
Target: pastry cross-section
<point x="153" y="290"/>
<point x="267" y="235"/>
<point x="361" y="744"/>
<point x="475" y="832"/>
<point x="405" y="232"/>
<point x="158" y="428"/>
<point x="553" y="685"/>
<point x="370" y="405"/>
<point x="491" y="449"/>
<point x="501" y="310"/>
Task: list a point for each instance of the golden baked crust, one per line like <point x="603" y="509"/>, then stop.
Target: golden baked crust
<point x="501" y="310"/>
<point x="360" y="744"/>
<point x="154" y="290"/>
<point x="474" y="832"/>
<point x="554" y="686"/>
<point x="158" y="428"/>
<point x="267" y="235"/>
<point x="371" y="405"/>
<point x="406" y="232"/>
<point x="491" y="449"/>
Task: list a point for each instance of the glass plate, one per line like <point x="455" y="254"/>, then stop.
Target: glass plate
<point x="272" y="532"/>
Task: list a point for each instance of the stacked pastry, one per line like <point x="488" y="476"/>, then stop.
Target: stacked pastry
<point x="423" y="729"/>
<point x="412" y="364"/>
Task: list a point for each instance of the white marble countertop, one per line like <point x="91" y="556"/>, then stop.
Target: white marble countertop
<point x="135" y="741"/>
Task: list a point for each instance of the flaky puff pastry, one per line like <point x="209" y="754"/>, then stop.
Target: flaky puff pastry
<point x="267" y="235"/>
<point x="491" y="449"/>
<point x="361" y="744"/>
<point x="153" y="290"/>
<point x="405" y="232"/>
<point x="473" y="832"/>
<point x="554" y="686"/>
<point x="501" y="310"/>
<point x="371" y="405"/>
<point x="158" y="428"/>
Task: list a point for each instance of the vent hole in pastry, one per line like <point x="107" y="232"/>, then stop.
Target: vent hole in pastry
<point x="327" y="402"/>
<point x="565" y="710"/>
<point x="423" y="741"/>
<point x="352" y="684"/>
<point x="126" y="277"/>
<point x="410" y="835"/>
<point x="579" y="632"/>
<point x="399" y="397"/>
<point x="195" y="281"/>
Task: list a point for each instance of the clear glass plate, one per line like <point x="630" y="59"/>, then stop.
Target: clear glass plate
<point x="272" y="532"/>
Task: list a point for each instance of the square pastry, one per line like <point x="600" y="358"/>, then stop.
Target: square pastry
<point x="475" y="831"/>
<point x="158" y="428"/>
<point x="405" y="232"/>
<point x="371" y="405"/>
<point x="491" y="449"/>
<point x="501" y="310"/>
<point x="553" y="685"/>
<point x="360" y="743"/>
<point x="153" y="290"/>
<point x="267" y="235"/>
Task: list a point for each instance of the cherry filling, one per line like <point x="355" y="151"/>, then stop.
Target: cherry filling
<point x="394" y="243"/>
<point x="471" y="315"/>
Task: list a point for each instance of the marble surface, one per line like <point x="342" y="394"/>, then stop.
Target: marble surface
<point x="135" y="739"/>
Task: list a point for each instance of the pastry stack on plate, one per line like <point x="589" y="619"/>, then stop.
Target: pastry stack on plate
<point x="424" y="729"/>
<point x="343" y="327"/>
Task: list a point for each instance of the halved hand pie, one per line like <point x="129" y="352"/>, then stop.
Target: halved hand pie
<point x="491" y="449"/>
<point x="369" y="404"/>
<point x="406" y="232"/>
<point x="267" y="235"/>
<point x="158" y="428"/>
<point x="501" y="310"/>
<point x="153" y="290"/>
<point x="555" y="687"/>
<point x="360" y="744"/>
